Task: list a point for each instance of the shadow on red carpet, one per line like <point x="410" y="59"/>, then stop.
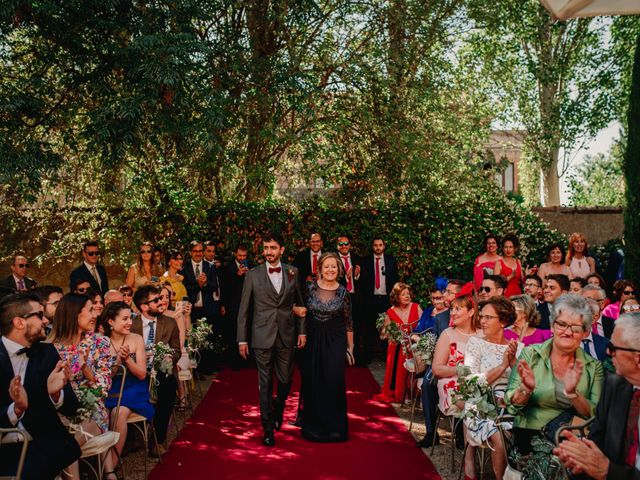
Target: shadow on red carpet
<point x="223" y="439"/>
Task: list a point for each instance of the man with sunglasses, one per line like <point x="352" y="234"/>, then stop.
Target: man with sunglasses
<point x="49" y="296"/>
<point x="492" y="286"/>
<point x="611" y="451"/>
<point x="34" y="388"/>
<point x="90" y="271"/>
<point x="18" y="280"/>
<point x="156" y="327"/>
<point x="351" y="264"/>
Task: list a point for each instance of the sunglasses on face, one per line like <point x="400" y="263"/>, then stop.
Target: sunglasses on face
<point x="82" y="289"/>
<point x="93" y="254"/>
<point x="612" y="348"/>
<point x="343" y="244"/>
<point x="127" y="295"/>
<point x="153" y="300"/>
<point x="145" y="251"/>
<point x="177" y="259"/>
<point x="484" y="289"/>
<point x="631" y="308"/>
<point x="40" y="315"/>
<point x="629" y="292"/>
<point x="22" y="265"/>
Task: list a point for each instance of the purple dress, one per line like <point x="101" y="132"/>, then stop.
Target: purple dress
<point x="538" y="336"/>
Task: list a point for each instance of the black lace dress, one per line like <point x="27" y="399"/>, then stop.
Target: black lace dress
<point x="324" y="389"/>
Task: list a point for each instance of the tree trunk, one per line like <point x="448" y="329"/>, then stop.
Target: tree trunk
<point x="550" y="181"/>
<point x="632" y="174"/>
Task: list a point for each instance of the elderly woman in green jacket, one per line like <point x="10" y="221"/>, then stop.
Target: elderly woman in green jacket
<point x="555" y="378"/>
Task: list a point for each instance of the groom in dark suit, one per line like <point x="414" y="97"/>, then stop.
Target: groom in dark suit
<point x="278" y="327"/>
<point x="34" y="388"/>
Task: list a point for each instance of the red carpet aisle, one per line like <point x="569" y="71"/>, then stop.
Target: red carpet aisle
<point x="223" y="439"/>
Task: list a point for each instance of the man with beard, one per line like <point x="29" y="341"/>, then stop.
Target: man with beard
<point x="49" y="296"/>
<point x="156" y="327"/>
<point x="34" y="388"/>
<point x="378" y="275"/>
<point x="278" y="326"/>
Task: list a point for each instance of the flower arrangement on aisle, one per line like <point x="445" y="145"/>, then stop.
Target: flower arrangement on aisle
<point x="88" y="400"/>
<point x="391" y="331"/>
<point x="424" y="348"/>
<point x="474" y="391"/>
<point x="162" y="361"/>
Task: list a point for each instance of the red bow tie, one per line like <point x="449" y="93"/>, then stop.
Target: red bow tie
<point x="275" y="270"/>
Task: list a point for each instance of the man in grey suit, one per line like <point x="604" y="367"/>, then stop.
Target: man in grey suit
<point x="278" y="327"/>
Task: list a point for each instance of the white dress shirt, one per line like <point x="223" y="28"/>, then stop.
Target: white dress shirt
<point x="383" y="284"/>
<point x="592" y="348"/>
<point x="146" y="327"/>
<point x="276" y="277"/>
<point x="599" y="327"/>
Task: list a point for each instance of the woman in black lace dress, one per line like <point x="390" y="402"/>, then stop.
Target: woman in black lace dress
<point x="329" y="344"/>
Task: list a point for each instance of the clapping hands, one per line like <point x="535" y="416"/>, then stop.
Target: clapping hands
<point x="18" y="395"/>
<point x="57" y="380"/>
<point x="572" y="377"/>
<point x="526" y="375"/>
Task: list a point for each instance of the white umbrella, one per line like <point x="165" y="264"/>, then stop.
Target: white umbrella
<point x="564" y="9"/>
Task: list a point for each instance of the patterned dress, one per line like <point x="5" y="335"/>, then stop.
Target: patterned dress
<point x="95" y="348"/>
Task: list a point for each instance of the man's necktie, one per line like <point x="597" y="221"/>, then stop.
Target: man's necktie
<point x="314" y="267"/>
<point x="585" y="346"/>
<point x="28" y="351"/>
<point x="151" y="338"/>
<point x="21" y="285"/>
<point x="377" y="273"/>
<point x="275" y="270"/>
<point x="631" y="437"/>
<point x="95" y="275"/>
<point x="594" y="328"/>
<point x="349" y="277"/>
<point x="197" y="271"/>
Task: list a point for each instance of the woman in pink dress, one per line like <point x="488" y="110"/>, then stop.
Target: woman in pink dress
<point x="509" y="266"/>
<point x="406" y="314"/>
<point x="525" y="328"/>
<point x="485" y="263"/>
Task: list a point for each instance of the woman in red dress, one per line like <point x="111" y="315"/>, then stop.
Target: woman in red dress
<point x="509" y="266"/>
<point x="406" y="314"/>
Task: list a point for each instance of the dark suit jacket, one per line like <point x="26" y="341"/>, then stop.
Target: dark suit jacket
<point x="272" y="311"/>
<point x="442" y="322"/>
<point x="304" y="265"/>
<point x="610" y="424"/>
<point x="545" y="323"/>
<point x="192" y="285"/>
<point x="355" y="260"/>
<point x="231" y="286"/>
<point x="50" y="436"/>
<point x="367" y="274"/>
<point x="83" y="273"/>
<point x="608" y="324"/>
<point x="600" y="344"/>
<point x="166" y="332"/>
<point x="10" y="283"/>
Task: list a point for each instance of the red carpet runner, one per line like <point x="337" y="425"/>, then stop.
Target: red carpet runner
<point x="223" y="439"/>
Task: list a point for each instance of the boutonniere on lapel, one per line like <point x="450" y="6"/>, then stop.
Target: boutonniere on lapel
<point x="291" y="273"/>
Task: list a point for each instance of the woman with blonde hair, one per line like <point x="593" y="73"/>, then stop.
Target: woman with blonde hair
<point x="406" y="314"/>
<point x="145" y="271"/>
<point x="525" y="328"/>
<point x="580" y="265"/>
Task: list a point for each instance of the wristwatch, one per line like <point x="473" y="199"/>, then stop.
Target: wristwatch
<point x="570" y="396"/>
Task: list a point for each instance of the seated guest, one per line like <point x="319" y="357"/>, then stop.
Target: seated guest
<point x="555" y="286"/>
<point x="576" y="284"/>
<point x="90" y="270"/>
<point x="81" y="287"/>
<point x="127" y="294"/>
<point x="597" y="280"/>
<point x="602" y="325"/>
<point x="492" y="286"/>
<point x="611" y="451"/>
<point x="533" y="287"/>
<point x="629" y="305"/>
<point x="145" y="271"/>
<point x="156" y="327"/>
<point x="174" y="262"/>
<point x="594" y="344"/>
<point x="492" y="357"/>
<point x="452" y="344"/>
<point x="406" y="314"/>
<point x="98" y="302"/>
<point x="555" y="265"/>
<point x="555" y="377"/>
<point x="126" y="349"/>
<point x="34" y="388"/>
<point x="18" y="280"/>
<point x="622" y="290"/>
<point x="427" y="319"/>
<point x="112" y="296"/>
<point x="525" y="327"/>
<point x="87" y="353"/>
<point x="49" y="296"/>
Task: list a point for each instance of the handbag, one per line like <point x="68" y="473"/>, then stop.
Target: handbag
<point x="512" y="474"/>
<point x="550" y="429"/>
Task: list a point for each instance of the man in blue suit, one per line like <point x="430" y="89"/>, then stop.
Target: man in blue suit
<point x="90" y="271"/>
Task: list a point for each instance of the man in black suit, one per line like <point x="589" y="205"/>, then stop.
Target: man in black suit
<point x="351" y="263"/>
<point x="90" y="271"/>
<point x="18" y="280"/>
<point x="556" y="286"/>
<point x="201" y="281"/>
<point x="593" y="343"/>
<point x="233" y="277"/>
<point x="602" y="325"/>
<point x="378" y="275"/>
<point x="611" y="451"/>
<point x="34" y="388"/>
<point x="306" y="261"/>
<point x="155" y="327"/>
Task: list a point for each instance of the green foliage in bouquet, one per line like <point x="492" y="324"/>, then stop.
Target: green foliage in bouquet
<point x="475" y="392"/>
<point x="88" y="400"/>
<point x="541" y="464"/>
<point x="390" y="331"/>
<point x="198" y="336"/>
<point x="424" y="347"/>
<point x="162" y="358"/>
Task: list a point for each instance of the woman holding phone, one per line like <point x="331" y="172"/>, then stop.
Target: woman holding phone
<point x="145" y="270"/>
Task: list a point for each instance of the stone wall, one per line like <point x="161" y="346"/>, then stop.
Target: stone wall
<point x="599" y="224"/>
